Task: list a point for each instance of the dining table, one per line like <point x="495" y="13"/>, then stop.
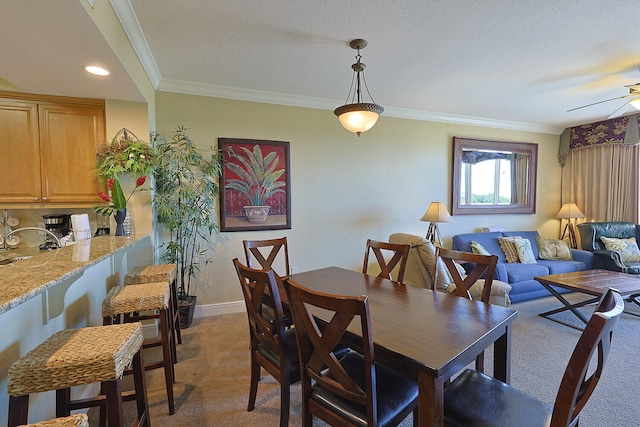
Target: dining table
<point x="426" y="335"/>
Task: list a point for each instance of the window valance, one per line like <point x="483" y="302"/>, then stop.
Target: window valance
<point x="619" y="130"/>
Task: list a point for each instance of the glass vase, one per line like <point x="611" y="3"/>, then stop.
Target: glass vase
<point x="128" y="224"/>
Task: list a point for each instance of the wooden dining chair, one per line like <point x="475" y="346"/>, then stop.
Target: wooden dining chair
<point x="267" y="254"/>
<point x="348" y="390"/>
<point x="498" y="404"/>
<point x="399" y="256"/>
<point x="481" y="265"/>
<point x="272" y="345"/>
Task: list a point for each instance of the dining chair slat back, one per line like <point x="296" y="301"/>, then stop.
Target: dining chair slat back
<point x="266" y="254"/>
<point x="272" y="345"/>
<point x="482" y="265"/>
<point x="399" y="256"/>
<point x="510" y="406"/>
<point x="341" y="390"/>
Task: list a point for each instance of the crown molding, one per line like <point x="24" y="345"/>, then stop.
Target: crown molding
<point x="329" y="104"/>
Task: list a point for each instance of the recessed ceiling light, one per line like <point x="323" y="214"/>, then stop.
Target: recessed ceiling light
<point x="98" y="71"/>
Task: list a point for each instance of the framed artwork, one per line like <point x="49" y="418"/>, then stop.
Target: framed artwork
<point x="255" y="188"/>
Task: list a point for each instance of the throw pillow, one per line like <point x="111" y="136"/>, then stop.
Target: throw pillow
<point x="552" y="249"/>
<point x="477" y="248"/>
<point x="628" y="248"/>
<point x="525" y="251"/>
<point x="428" y="256"/>
<point x="510" y="251"/>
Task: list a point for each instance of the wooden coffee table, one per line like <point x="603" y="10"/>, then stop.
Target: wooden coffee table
<point x="590" y="282"/>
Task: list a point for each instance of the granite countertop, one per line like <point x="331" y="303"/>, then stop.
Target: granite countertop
<point x="24" y="279"/>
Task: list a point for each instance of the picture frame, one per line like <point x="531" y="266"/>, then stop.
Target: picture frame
<point x="255" y="186"/>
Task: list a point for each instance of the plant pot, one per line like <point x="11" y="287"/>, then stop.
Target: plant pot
<point x="187" y="308"/>
<point x="256" y="214"/>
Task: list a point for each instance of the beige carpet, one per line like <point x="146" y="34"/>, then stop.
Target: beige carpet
<point x="213" y="373"/>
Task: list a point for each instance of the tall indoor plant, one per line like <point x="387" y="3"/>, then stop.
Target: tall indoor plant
<point x="186" y="192"/>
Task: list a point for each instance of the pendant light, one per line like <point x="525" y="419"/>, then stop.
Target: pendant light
<point x="358" y="116"/>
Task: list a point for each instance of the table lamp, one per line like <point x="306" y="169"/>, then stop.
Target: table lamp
<point x="436" y="213"/>
<point x="569" y="211"/>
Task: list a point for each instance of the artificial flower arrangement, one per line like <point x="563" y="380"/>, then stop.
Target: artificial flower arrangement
<point x="124" y="154"/>
<point x="117" y="201"/>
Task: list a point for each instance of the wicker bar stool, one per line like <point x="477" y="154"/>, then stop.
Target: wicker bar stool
<point x="74" y="357"/>
<point x="125" y="304"/>
<point x="160" y="273"/>
<point x="78" y="420"/>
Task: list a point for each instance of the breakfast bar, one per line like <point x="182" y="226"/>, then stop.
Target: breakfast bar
<point x="48" y="291"/>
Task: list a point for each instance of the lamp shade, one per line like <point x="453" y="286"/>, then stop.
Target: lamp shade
<point x="570" y="210"/>
<point x="437" y="212"/>
<point x="358" y="117"/>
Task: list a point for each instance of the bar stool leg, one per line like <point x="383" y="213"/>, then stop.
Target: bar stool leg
<point x="18" y="410"/>
<point x="113" y="393"/>
<point x="142" y="403"/>
<point x="63" y="397"/>
<point x="169" y="375"/>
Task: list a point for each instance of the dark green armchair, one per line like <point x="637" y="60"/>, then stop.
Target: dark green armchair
<point x="590" y="234"/>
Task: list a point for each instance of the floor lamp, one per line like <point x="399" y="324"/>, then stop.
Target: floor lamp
<point x="436" y="213"/>
<point x="570" y="211"/>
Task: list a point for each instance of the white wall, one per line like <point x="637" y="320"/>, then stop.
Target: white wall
<point x="345" y="189"/>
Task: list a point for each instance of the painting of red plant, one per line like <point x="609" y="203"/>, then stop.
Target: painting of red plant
<point x="255" y="188"/>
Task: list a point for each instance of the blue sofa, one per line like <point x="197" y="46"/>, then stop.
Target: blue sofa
<point x="520" y="276"/>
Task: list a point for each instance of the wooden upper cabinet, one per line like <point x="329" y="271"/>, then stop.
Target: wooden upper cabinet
<point x="20" y="151"/>
<point x="51" y="143"/>
<point x="69" y="136"/>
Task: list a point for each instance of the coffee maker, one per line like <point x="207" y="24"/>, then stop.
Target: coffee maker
<point x="58" y="225"/>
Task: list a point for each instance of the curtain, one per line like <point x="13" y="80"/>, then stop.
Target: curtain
<point x="603" y="181"/>
<point x="520" y="179"/>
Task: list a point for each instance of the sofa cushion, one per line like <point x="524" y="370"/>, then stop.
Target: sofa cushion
<point x="628" y="248"/>
<point x="517" y="272"/>
<point x="553" y="249"/>
<point x="559" y="266"/>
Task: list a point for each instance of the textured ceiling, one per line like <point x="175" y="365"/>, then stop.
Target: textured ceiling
<point x="516" y="64"/>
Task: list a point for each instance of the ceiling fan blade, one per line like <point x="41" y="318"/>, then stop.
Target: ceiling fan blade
<point x="621" y="110"/>
<point x="599" y="102"/>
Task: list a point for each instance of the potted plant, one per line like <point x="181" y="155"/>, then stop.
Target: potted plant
<point x="117" y="202"/>
<point x="258" y="180"/>
<point x="124" y="154"/>
<point x="186" y="192"/>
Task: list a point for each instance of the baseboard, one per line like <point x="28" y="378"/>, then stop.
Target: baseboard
<point x="207" y="310"/>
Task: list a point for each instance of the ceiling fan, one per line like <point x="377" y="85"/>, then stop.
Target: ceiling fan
<point x="634" y="94"/>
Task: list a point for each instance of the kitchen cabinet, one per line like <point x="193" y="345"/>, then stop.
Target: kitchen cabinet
<point x="47" y="146"/>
